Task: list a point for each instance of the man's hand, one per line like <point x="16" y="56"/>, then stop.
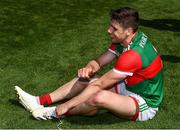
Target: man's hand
<point x="94" y="65"/>
<point x="61" y="109"/>
<point x="85" y="73"/>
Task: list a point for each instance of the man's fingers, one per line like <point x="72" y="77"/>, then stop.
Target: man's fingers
<point x="85" y="72"/>
<point x="58" y="111"/>
<point x="57" y="114"/>
<point x="79" y="73"/>
<point x="61" y="110"/>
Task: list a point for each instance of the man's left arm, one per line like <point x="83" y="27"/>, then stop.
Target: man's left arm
<point x="106" y="81"/>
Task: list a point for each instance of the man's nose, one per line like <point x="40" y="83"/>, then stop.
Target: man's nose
<point x="110" y="30"/>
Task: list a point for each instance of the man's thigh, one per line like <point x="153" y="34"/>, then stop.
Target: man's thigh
<point x="144" y="112"/>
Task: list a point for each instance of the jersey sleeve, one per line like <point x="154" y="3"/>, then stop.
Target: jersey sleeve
<point x="128" y="63"/>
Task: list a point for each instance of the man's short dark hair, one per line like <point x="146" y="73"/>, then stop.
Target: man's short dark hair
<point x="126" y="16"/>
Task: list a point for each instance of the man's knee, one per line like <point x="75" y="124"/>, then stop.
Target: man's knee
<point x="98" y="99"/>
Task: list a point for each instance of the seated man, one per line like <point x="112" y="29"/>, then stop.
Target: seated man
<point x="133" y="89"/>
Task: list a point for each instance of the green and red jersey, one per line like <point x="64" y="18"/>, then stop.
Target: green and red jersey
<point x="143" y="65"/>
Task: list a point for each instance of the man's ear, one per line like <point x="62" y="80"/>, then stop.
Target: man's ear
<point x="129" y="31"/>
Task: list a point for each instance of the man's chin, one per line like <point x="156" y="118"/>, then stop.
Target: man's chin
<point x="114" y="41"/>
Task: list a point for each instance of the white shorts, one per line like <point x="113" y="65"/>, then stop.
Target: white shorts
<point x="144" y="112"/>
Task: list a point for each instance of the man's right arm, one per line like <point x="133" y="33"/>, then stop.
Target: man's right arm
<point x="94" y="65"/>
<point x="105" y="58"/>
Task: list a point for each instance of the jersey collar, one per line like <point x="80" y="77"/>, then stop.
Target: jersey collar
<point x="135" y="40"/>
<point x="132" y="41"/>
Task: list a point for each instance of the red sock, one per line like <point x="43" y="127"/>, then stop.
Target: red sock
<point x="45" y="99"/>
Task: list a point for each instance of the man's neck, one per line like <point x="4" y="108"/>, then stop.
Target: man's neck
<point x="130" y="38"/>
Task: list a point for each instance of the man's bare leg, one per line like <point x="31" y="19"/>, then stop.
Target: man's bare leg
<point x="70" y="89"/>
<point x="84" y="109"/>
<point x="122" y="106"/>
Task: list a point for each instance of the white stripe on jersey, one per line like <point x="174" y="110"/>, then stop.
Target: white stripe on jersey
<point x="122" y="72"/>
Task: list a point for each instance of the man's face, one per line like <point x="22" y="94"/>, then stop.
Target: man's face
<point x="117" y="32"/>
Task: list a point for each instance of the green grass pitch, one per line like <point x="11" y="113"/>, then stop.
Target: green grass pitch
<point x="44" y="42"/>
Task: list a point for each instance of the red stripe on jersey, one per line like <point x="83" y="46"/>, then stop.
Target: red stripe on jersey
<point x="149" y="72"/>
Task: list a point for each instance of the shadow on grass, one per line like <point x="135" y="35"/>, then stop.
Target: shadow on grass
<point x="99" y="119"/>
<point x="170" y="58"/>
<point x="15" y="103"/>
<point x="162" y="24"/>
